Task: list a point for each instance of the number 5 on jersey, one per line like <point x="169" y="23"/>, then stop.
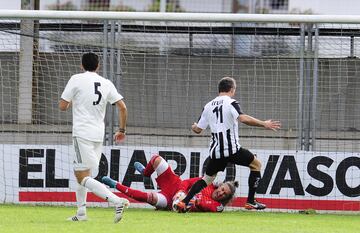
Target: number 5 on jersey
<point x="97" y="92"/>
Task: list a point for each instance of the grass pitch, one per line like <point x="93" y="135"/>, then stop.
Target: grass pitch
<point x="46" y="219"/>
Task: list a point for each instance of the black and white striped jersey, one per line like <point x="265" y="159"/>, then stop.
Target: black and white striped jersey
<point x="221" y="115"/>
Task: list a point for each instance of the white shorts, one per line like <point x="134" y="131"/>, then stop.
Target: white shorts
<point x="161" y="202"/>
<point x="87" y="154"/>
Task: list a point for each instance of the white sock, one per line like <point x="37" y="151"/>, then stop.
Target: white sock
<point x="100" y="190"/>
<point x="81" y="194"/>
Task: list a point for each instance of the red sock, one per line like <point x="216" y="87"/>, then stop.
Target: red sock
<point x="149" y="169"/>
<point x="133" y="193"/>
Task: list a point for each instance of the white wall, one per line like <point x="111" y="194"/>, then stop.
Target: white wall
<point x="216" y="6"/>
<point x="16" y="4"/>
<point x="335" y="7"/>
<point x="10" y="5"/>
<point x="344" y="7"/>
<point x="288" y="166"/>
<point x="139" y="5"/>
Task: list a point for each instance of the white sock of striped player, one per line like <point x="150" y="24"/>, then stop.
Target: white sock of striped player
<point x="81" y="194"/>
<point x="100" y="190"/>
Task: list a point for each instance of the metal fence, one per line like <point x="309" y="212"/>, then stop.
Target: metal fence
<point x="304" y="74"/>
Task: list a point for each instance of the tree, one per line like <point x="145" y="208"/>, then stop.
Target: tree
<point x="97" y="5"/>
<point x="67" y="6"/>
<point x="171" y="6"/>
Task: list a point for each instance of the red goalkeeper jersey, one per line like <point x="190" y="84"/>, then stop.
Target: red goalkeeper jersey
<point x="204" y="202"/>
<point x="170" y="183"/>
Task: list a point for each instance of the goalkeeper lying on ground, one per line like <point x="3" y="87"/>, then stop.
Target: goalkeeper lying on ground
<point x="211" y="199"/>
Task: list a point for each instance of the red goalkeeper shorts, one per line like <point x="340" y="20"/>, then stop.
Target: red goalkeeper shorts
<point x="169" y="183"/>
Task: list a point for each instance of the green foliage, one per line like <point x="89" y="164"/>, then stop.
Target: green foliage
<point x="67" y="6"/>
<point x="97" y="6"/>
<point x="121" y="8"/>
<point x="170" y="7"/>
<point x="45" y="219"/>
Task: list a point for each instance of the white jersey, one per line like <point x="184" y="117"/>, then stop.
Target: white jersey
<point x="89" y="93"/>
<point x="221" y="114"/>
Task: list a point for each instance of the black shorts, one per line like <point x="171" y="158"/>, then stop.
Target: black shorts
<point x="242" y="157"/>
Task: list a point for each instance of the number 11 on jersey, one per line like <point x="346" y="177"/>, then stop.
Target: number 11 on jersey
<point x="218" y="111"/>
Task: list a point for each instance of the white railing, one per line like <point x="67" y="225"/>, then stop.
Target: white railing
<point x="196" y="17"/>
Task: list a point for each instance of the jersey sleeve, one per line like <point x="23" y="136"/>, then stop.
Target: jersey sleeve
<point x="203" y="121"/>
<point x="69" y="91"/>
<point x="236" y="110"/>
<point x="206" y="204"/>
<point x="114" y="95"/>
<point x="186" y="184"/>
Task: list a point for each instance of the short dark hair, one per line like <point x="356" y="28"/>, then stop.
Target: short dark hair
<point x="226" y="83"/>
<point x="90" y="61"/>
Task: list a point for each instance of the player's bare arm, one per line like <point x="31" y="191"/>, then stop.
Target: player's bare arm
<point x="195" y="128"/>
<point x="252" y="121"/>
<point x="120" y="134"/>
<point x="64" y="105"/>
<point x="273" y="125"/>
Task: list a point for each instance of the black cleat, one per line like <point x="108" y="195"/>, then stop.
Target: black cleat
<point x="255" y="205"/>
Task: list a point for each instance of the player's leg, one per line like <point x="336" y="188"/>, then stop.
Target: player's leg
<point x="81" y="191"/>
<point x="198" y="186"/>
<point x="88" y="157"/>
<point x="151" y="166"/>
<point x="168" y="182"/>
<point x="161" y="166"/>
<point x="212" y="169"/>
<point x="253" y="182"/>
<point x="133" y="193"/>
<point x="155" y="199"/>
<point x="160" y="201"/>
<point x="101" y="191"/>
<point x="245" y="158"/>
<point x="81" y="194"/>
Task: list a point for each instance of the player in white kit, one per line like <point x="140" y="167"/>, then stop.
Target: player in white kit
<point x="88" y="94"/>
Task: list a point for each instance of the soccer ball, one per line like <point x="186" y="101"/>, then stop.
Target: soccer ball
<point x="179" y="196"/>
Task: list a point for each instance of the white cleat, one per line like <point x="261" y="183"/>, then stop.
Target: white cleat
<point x="77" y="218"/>
<point x="119" y="209"/>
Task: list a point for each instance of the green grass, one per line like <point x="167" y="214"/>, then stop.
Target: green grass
<point x="45" y="219"/>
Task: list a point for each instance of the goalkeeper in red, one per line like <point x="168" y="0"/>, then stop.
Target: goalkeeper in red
<point x="211" y="199"/>
<point x="222" y="115"/>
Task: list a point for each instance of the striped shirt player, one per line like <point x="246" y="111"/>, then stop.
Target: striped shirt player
<point x="221" y="115"/>
<point x="88" y="94"/>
